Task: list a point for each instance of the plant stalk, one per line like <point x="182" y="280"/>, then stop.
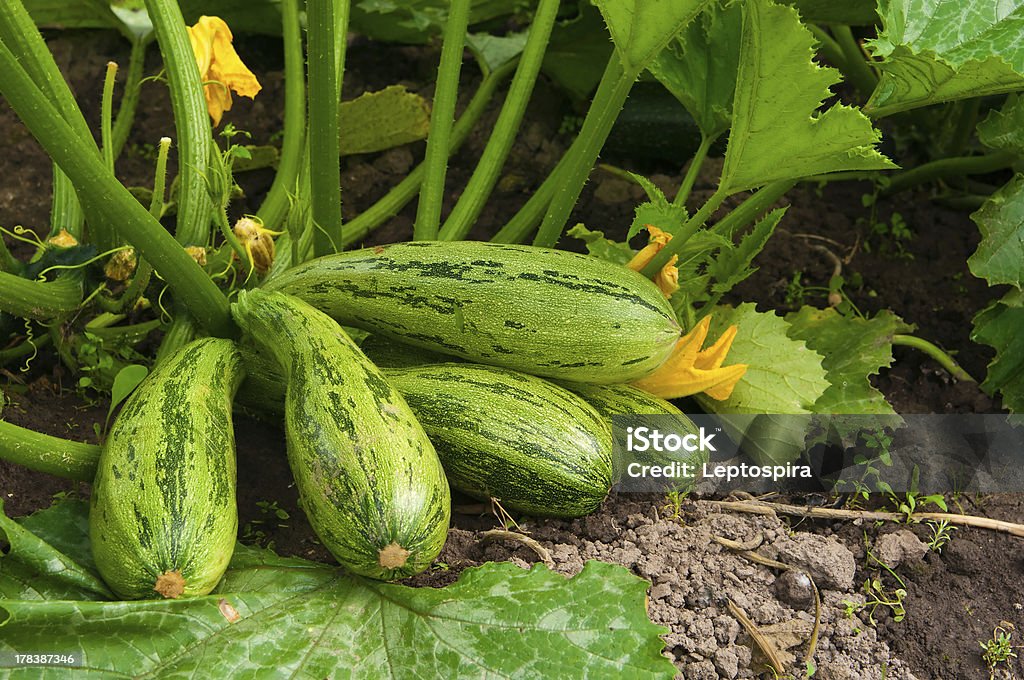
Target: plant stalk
<point x="278" y="199"/>
<point x="442" y="116"/>
<point x="132" y="91"/>
<point x="946" y="168"/>
<point x="611" y="94"/>
<point x="855" y="66"/>
<point x="530" y="215"/>
<point x="693" y="170"/>
<point x="191" y="122"/>
<point x="488" y="168"/>
<point x="107" y="116"/>
<point x="41" y="300"/>
<point x="940" y="357"/>
<point x="676" y="245"/>
<point x="43" y="453"/>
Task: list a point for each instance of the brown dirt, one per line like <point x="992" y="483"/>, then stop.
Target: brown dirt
<point x="955" y="598"/>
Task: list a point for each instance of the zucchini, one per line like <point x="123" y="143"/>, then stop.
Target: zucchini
<point x="368" y="477"/>
<point x="546" y="312"/>
<point x="532" y="445"/>
<point x="162" y="516"/>
<point x="643" y="410"/>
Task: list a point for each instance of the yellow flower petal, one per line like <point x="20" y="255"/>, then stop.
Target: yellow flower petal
<point x="667" y="279"/>
<point x="689" y="370"/>
<point x="220" y="67"/>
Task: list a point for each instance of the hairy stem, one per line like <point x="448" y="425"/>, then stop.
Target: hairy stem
<point x="324" y="160"/>
<point x="276" y="204"/>
<point x="442" y="116"/>
<point x="488" y="168"/>
<point x="693" y="170"/>
<point x="579" y="160"/>
<point x="39" y="300"/>
<point x="676" y="245"/>
<point x="946" y="168"/>
<point x="855" y="67"/>
<point x="43" y="453"/>
<point x="940" y="357"/>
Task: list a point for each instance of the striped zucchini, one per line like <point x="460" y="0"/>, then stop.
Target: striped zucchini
<point x="162" y="517"/>
<point x="368" y="478"/>
<point x="501" y="434"/>
<point x="642" y="410"/>
<point x="546" y="312"/>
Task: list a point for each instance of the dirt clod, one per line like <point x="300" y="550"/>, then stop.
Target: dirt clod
<point x="899" y="547"/>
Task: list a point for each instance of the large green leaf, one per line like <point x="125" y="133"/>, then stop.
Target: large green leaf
<point x="383" y="119"/>
<point x="1003" y="128"/>
<point x="777" y="133"/>
<point x="642" y="28"/>
<point x="1000" y="255"/>
<point x="71" y="13"/>
<point x="1001" y="326"/>
<point x="853" y="350"/>
<point x="577" y="52"/>
<point x="783" y="374"/>
<point x="699" y="66"/>
<point x="940" y="50"/>
<point x="275" y="617"/>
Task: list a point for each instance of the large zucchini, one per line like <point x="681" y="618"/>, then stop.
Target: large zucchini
<point x="368" y="477"/>
<point x="529" y="443"/>
<point x="546" y="312"/>
<point x="163" y="519"/>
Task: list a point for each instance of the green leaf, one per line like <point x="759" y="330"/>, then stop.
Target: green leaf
<point x="1004" y="128"/>
<point x="125" y="382"/>
<point x="577" y="52"/>
<point x="380" y="120"/>
<point x="733" y="264"/>
<point x="1001" y="326"/>
<point x="287" y="616"/>
<point x="416" y="21"/>
<point x="493" y="51"/>
<point x="853" y="350"/>
<point x="601" y="247"/>
<point x="657" y="211"/>
<point x="783" y="374"/>
<point x="935" y="50"/>
<point x="71" y="13"/>
<point x="1000" y="255"/>
<point x="642" y="28"/>
<point x="699" y="66"/>
<point x="777" y="133"/>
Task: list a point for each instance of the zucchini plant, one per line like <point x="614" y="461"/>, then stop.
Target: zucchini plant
<point x="373" y="451"/>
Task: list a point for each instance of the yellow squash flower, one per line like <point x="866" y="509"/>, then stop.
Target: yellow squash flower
<point x="690" y="370"/>
<point x="667" y="279"/>
<point x="220" y="68"/>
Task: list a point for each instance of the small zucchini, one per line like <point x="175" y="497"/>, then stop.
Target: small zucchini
<point x="368" y="477"/>
<point x="162" y="517"/>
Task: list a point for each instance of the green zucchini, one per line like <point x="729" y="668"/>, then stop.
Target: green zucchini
<point x="643" y="410"/>
<point x="527" y="442"/>
<point x="368" y="477"/>
<point x="546" y="312"/>
<point x="162" y="517"/>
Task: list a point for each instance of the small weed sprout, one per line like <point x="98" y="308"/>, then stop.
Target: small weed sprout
<point x="941" y="535"/>
<point x="998" y="649"/>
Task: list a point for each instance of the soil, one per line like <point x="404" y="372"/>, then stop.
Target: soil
<point x="955" y="598"/>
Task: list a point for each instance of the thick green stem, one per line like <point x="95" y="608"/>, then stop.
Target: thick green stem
<point x="40" y="300"/>
<point x="750" y="209"/>
<point x="111" y="199"/>
<point x="442" y="116"/>
<point x="676" y="245"/>
<point x="828" y="46"/>
<point x="23" y="350"/>
<point x="940" y="357"/>
<point x="132" y="90"/>
<point x="855" y="68"/>
<point x="19" y="33"/>
<point x="579" y="160"/>
<point x="693" y="170"/>
<point x="488" y="168"/>
<point x="967" y="118"/>
<point x="191" y="122"/>
<point x="324" y="160"/>
<point x="7" y="261"/>
<point x="276" y="204"/>
<point x="946" y="168"/>
<point x="43" y="453"/>
<point x="392" y="202"/>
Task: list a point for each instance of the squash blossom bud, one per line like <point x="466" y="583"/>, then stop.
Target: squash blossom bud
<point x="197" y="253"/>
<point x="667" y="279"/>
<point x="63" y="239"/>
<point x="121" y="265"/>
<point x="258" y="243"/>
